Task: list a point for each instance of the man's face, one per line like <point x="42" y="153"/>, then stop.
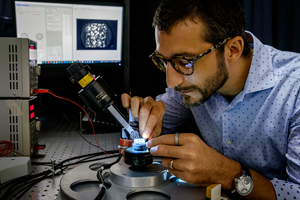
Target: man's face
<point x="211" y="85"/>
<point x="210" y="72"/>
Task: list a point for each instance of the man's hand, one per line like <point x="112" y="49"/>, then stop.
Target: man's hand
<point x="148" y="112"/>
<point x="194" y="161"/>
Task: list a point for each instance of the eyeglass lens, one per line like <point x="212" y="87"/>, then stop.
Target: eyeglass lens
<point x="180" y="65"/>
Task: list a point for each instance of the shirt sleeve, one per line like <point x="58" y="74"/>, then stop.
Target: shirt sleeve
<point x="290" y="188"/>
<point x="176" y="113"/>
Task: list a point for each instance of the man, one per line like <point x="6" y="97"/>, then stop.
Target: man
<point x="243" y="95"/>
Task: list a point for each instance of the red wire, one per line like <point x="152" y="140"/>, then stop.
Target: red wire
<point x="86" y="115"/>
<point x="7" y="147"/>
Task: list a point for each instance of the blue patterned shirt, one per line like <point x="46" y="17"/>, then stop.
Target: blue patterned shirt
<point x="260" y="127"/>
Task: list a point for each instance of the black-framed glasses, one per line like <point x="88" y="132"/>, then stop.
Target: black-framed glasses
<point x="183" y="65"/>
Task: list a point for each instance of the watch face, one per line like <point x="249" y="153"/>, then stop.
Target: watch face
<point x="244" y="185"/>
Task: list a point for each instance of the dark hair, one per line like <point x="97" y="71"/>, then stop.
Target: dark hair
<point x="221" y="18"/>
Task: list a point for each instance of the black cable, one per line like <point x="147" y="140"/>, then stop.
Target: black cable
<point x="79" y="162"/>
<point x="87" y="140"/>
<point x="99" y="175"/>
<point x="60" y="165"/>
<point x="12" y="190"/>
<point x="78" y="157"/>
<point x="106" y="166"/>
<point x="21" y="179"/>
<point x="19" y="193"/>
<point x="71" y="122"/>
<point x="94" y="159"/>
<point x="22" y="184"/>
<point x="101" y="193"/>
<point x="61" y="108"/>
<point x="101" y="179"/>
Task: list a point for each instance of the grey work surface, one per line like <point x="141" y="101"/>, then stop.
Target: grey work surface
<point x="63" y="141"/>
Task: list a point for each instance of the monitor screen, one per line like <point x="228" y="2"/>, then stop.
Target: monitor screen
<point x="66" y="33"/>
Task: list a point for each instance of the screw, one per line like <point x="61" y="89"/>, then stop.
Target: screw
<point x="53" y="163"/>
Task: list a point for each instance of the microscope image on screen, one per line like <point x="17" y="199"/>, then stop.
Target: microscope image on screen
<point x="96" y="34"/>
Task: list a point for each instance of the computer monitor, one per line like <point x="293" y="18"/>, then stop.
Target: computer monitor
<point x="66" y="33"/>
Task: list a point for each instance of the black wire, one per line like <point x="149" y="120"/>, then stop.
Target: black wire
<point x="77" y="157"/>
<point x="99" y="175"/>
<point x="106" y="166"/>
<point x="22" y="179"/>
<point x="22" y="184"/>
<point x="87" y="140"/>
<point x="17" y="187"/>
<point x="22" y="191"/>
<point x="79" y="162"/>
<point x="101" y="193"/>
<point x="94" y="159"/>
<point x="71" y="122"/>
<point x="29" y="181"/>
<point x="61" y="108"/>
<point x="101" y="179"/>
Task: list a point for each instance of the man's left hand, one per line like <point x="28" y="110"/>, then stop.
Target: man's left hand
<point x="194" y="161"/>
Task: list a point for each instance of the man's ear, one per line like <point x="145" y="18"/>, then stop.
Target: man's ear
<point x="234" y="49"/>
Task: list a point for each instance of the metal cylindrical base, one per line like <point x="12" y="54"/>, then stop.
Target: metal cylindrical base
<point x="154" y="174"/>
<point x="154" y="183"/>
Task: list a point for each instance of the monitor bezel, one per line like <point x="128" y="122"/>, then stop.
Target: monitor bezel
<point x="91" y="3"/>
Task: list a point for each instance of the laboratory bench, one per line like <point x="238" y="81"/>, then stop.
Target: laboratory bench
<point x="64" y="139"/>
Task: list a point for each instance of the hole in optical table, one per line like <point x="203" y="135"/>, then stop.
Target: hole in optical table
<point x="148" y="195"/>
<point x="87" y="185"/>
<point x="96" y="166"/>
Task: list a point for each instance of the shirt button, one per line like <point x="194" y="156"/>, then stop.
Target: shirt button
<point x="228" y="142"/>
<point x="228" y="109"/>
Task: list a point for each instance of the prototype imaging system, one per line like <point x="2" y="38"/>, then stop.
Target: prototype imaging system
<point x="66" y="33"/>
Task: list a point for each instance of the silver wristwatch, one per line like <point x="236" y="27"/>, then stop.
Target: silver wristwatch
<point x="244" y="184"/>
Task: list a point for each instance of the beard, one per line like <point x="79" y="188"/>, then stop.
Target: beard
<point x="210" y="86"/>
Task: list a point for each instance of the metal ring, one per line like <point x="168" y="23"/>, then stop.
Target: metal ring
<point x="176" y="139"/>
<point x="171" y="164"/>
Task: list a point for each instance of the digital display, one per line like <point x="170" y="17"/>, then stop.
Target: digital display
<point x="32" y="111"/>
<point x="67" y="33"/>
<point x="32" y="115"/>
<point x="32" y="51"/>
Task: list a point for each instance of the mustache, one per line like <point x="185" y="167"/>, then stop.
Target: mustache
<point x="178" y="88"/>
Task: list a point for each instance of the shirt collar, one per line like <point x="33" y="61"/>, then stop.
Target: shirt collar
<point x="261" y="76"/>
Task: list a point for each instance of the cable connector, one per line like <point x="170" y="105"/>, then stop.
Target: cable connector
<point x="40" y="91"/>
<point x="40" y="147"/>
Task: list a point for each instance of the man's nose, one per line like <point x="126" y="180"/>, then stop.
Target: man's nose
<point x="173" y="77"/>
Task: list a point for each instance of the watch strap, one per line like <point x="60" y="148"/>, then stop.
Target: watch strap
<point x="246" y="171"/>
